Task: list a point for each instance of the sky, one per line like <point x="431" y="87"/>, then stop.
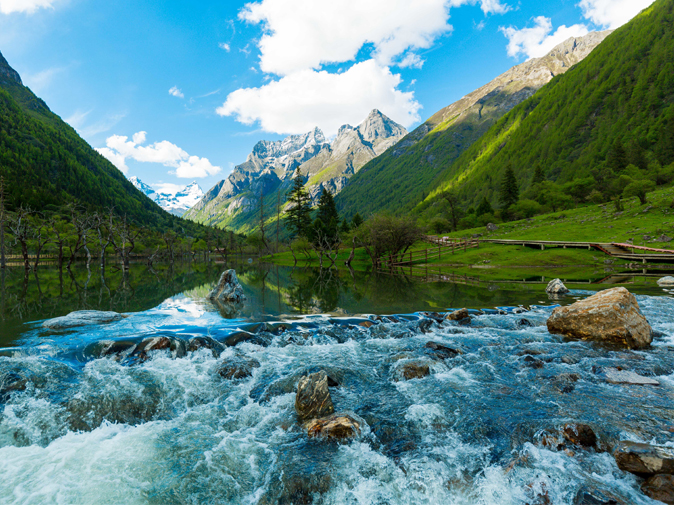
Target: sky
<point x="179" y="91"/>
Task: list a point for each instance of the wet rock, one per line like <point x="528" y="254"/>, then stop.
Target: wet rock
<point x="441" y="351"/>
<point x="228" y="288"/>
<point x="458" y="315"/>
<point x="81" y="318"/>
<point x="525" y="323"/>
<point x="196" y="343"/>
<point x="667" y="281"/>
<point x="116" y="348"/>
<point x="413" y="370"/>
<point x="425" y="325"/>
<point x="532" y="362"/>
<point x="591" y="496"/>
<point x="556" y="287"/>
<point x="237" y="367"/>
<point x="366" y="324"/>
<point x="580" y="434"/>
<point x="660" y="487"/>
<point x="615" y="376"/>
<point x="300" y="489"/>
<point x="175" y="346"/>
<point x="644" y="459"/>
<point x="337" y="426"/>
<point x="313" y="398"/>
<point x="611" y="316"/>
<point x="243" y="336"/>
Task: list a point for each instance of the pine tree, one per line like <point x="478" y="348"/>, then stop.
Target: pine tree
<point x="510" y="193"/>
<point x="617" y="157"/>
<point x="539" y="176"/>
<point x="299" y="213"/>
<point x="356" y="221"/>
<point x="327" y="213"/>
<point x="484" y="207"/>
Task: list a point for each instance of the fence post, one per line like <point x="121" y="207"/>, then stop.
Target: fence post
<point x="439" y="252"/>
<point x="465" y="245"/>
<point x="426" y="255"/>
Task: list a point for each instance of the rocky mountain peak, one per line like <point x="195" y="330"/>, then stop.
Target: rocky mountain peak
<point x="376" y="125"/>
<point x="7" y="74"/>
<point x="266" y="149"/>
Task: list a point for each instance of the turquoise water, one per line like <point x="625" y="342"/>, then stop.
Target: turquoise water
<point x="89" y="429"/>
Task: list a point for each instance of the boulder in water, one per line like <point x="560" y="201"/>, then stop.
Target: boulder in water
<point x="458" y="315"/>
<point x="660" y="487"/>
<point x="556" y="287"/>
<point x="237" y="367"/>
<point x="442" y="351"/>
<point x="313" y="399"/>
<point x="592" y="496"/>
<point x="580" y="434"/>
<point x="413" y="370"/>
<point x="337" y="426"/>
<point x="644" y="459"/>
<point x="81" y="318"/>
<point x="611" y="316"/>
<point x="667" y="281"/>
<point x="228" y="288"/>
<point x="615" y="376"/>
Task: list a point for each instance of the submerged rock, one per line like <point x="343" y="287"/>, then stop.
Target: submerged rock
<point x="615" y="376"/>
<point x="313" y="399"/>
<point x="580" y="434"/>
<point x="11" y="383"/>
<point x="644" y="459"/>
<point x="592" y="496"/>
<point x="441" y="351"/>
<point x="228" y="288"/>
<point x="556" y="287"/>
<point x="413" y="370"/>
<point x="81" y="318"/>
<point x="458" y="315"/>
<point x="612" y="316"/>
<point x="237" y="367"/>
<point x="667" y="281"/>
<point x="337" y="426"/>
<point x="660" y="487"/>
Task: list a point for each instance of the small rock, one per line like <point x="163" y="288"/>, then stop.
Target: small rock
<point x="477" y="235"/>
<point x="313" y="399"/>
<point x="580" y="434"/>
<point x="237" y="367"/>
<point x="525" y="323"/>
<point x="116" y="348"/>
<point x="615" y="376"/>
<point x="337" y="426"/>
<point x="590" y="496"/>
<point x="644" y="459"/>
<point x="612" y="316"/>
<point x="81" y="318"/>
<point x="414" y="370"/>
<point x="196" y="343"/>
<point x="660" y="487"/>
<point x="664" y="238"/>
<point x="532" y="362"/>
<point x="443" y="352"/>
<point x="366" y="324"/>
<point x="458" y="315"/>
<point x="556" y="287"/>
<point x="667" y="281"/>
<point x="228" y="288"/>
<point x="491" y="227"/>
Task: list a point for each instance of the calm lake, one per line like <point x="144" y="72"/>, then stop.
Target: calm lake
<point x="79" y="426"/>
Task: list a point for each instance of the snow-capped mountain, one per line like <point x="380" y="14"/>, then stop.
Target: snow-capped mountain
<point x="175" y="203"/>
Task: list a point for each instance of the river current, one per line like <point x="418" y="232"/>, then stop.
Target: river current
<point x="86" y="429"/>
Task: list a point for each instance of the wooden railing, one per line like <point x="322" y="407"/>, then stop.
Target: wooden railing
<point x="444" y="247"/>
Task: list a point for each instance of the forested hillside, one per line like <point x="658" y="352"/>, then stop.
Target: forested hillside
<point x="45" y="164"/>
<point x="604" y="124"/>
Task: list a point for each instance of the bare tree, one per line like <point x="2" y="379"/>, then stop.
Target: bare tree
<point x="170" y="239"/>
<point x="41" y="236"/>
<point x="81" y="226"/>
<point x="3" y="220"/>
<point x="123" y="241"/>
<point x="104" y="229"/>
<point x="20" y="227"/>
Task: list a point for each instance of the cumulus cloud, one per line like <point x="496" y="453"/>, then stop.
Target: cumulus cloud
<point x="305" y="34"/>
<point x="612" y="13"/>
<point x="174" y="91"/>
<point x="27" y="6"/>
<point x="119" y="148"/>
<point x="298" y="102"/>
<point x="225" y="46"/>
<point x="538" y="41"/>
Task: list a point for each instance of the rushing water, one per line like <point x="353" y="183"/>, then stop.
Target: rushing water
<point x="170" y="429"/>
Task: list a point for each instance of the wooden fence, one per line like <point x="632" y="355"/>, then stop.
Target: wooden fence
<point x="443" y="247"/>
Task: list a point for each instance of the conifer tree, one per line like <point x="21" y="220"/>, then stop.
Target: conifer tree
<point x="539" y="176"/>
<point x="484" y="207"/>
<point x="509" y="191"/>
<point x="617" y="157"/>
<point x="299" y="213"/>
<point x="356" y="221"/>
<point x="327" y="213"/>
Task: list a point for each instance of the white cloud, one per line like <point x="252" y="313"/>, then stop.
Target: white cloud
<point x="119" y="148"/>
<point x="538" y="41"/>
<point x="27" y="6"/>
<point x="174" y="91"/>
<point x="298" y="102"/>
<point x="305" y="34"/>
<point x="225" y="46"/>
<point x="411" y="60"/>
<point x="612" y="13"/>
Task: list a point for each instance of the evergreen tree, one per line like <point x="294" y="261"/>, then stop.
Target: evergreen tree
<point x="484" y="207"/>
<point x="326" y="224"/>
<point x="344" y="227"/>
<point x="617" y="157"/>
<point x="510" y="193"/>
<point x="356" y="221"/>
<point x="539" y="176"/>
<point x="298" y="214"/>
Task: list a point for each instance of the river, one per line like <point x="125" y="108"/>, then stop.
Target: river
<point x="170" y="430"/>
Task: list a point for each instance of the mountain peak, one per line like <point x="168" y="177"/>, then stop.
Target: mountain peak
<point x="7" y="74"/>
<point x="378" y="125"/>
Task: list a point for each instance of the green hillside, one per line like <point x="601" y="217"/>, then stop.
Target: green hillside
<point x="612" y="110"/>
<point x="45" y="164"/>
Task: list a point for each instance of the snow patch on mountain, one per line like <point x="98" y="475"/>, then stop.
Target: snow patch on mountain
<point x="176" y="203"/>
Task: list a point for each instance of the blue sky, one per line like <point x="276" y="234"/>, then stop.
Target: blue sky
<point x="176" y="91"/>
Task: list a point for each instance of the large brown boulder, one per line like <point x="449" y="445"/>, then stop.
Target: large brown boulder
<point x="337" y="426"/>
<point x="612" y="315"/>
<point x="660" y="487"/>
<point x="313" y="399"/>
<point x="644" y="459"/>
